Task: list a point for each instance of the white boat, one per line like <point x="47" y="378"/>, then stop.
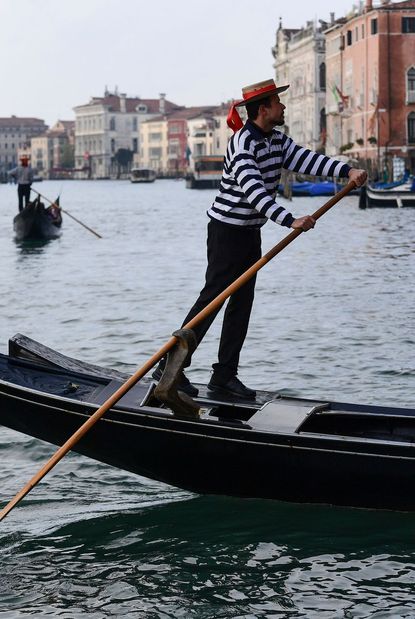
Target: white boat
<point x="207" y="172"/>
<point x="399" y="196"/>
<point x="142" y="175"/>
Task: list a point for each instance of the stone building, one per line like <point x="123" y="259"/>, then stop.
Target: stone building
<point x="170" y="142"/>
<point x="52" y="153"/>
<point x="15" y="135"/>
<point x="300" y="62"/>
<point x="107" y="132"/>
<point x="370" y="60"/>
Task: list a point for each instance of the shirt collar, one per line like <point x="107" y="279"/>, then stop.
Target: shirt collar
<point x="256" y="131"/>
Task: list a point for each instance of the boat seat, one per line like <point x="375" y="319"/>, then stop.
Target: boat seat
<point x="139" y="395"/>
<point x="284" y="416"/>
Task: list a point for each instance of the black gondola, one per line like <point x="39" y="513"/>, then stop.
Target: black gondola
<point x="37" y="223"/>
<point x="275" y="447"/>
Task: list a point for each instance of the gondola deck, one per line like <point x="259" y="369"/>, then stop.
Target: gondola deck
<point x="274" y="447"/>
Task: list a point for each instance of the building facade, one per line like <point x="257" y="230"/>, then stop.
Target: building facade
<point x="370" y="59"/>
<point x="107" y="132"/>
<point x="170" y="143"/>
<point x="15" y="136"/>
<point x="52" y="154"/>
<point x="300" y="62"/>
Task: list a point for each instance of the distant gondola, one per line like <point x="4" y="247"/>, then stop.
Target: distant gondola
<point x="397" y="195"/>
<point x="274" y="447"/>
<point x="37" y="223"/>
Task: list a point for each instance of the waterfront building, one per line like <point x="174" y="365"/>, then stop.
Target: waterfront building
<point x="169" y="143"/>
<point x="15" y="135"/>
<point x="370" y="97"/>
<point x="107" y="132"/>
<point x="52" y="153"/>
<point x="300" y="62"/>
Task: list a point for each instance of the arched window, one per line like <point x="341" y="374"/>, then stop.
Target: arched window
<point x="410" y="85"/>
<point x="112" y="123"/>
<point x="322" y="72"/>
<point x="411" y="128"/>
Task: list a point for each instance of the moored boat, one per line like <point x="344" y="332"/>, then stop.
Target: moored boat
<point x="207" y="172"/>
<point x="274" y="447"/>
<point x="35" y="222"/>
<point x="314" y="188"/>
<point x="142" y="175"/>
<point x="398" y="197"/>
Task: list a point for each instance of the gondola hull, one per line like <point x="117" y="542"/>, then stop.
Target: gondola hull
<point x="386" y="198"/>
<point x="37" y="223"/>
<point x="276" y="448"/>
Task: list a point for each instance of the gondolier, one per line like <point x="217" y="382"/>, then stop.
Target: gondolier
<point x="23" y="175"/>
<point x="253" y="162"/>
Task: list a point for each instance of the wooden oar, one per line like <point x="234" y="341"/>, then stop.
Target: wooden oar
<point x="213" y="305"/>
<point x="67" y="213"/>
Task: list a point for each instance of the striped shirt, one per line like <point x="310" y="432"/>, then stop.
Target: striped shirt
<point x="252" y="172"/>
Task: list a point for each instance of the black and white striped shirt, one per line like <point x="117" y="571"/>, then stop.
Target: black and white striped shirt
<point x="252" y="172"/>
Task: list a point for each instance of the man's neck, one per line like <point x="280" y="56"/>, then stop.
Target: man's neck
<point x="265" y="130"/>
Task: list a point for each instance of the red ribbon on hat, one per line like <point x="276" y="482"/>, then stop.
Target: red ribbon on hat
<point x="233" y="119"/>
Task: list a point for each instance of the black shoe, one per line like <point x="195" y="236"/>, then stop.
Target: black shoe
<point x="184" y="383"/>
<point x="232" y="387"/>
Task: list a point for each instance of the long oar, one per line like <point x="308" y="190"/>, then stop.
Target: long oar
<point x="66" y="213"/>
<point x="213" y="305"/>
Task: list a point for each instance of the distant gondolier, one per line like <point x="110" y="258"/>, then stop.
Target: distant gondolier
<point x="23" y="175"/>
<point x="254" y="159"/>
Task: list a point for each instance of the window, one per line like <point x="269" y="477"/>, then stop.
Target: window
<point x="155" y="153"/>
<point x="373" y="26"/>
<point x="135" y="145"/>
<point x="410" y="85"/>
<point x="349" y="37"/>
<point x="112" y="145"/>
<point x="112" y="123"/>
<point x="363" y="31"/>
<point x="411" y="128"/>
<point x="356" y="34"/>
<point x="155" y="137"/>
<point x="322" y="75"/>
<point x="135" y="124"/>
<point x="408" y="24"/>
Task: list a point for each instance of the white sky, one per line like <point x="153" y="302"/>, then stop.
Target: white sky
<point x="56" y="54"/>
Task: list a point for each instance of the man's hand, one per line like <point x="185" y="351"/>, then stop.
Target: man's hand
<point x="358" y="176"/>
<point x="305" y="223"/>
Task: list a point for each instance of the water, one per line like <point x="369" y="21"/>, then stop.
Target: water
<point x="334" y="318"/>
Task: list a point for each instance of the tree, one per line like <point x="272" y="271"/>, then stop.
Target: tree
<point x="123" y="158"/>
<point x="68" y="156"/>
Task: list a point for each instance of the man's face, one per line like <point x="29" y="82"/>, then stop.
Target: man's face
<point x="275" y="112"/>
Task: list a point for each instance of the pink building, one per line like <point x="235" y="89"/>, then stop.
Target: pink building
<point x="370" y="61"/>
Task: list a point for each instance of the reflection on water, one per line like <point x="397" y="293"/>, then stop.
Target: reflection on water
<point x="333" y="318"/>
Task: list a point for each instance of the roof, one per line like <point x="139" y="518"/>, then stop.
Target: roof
<point x="113" y="103"/>
<point x="188" y="113"/>
<point x="13" y="121"/>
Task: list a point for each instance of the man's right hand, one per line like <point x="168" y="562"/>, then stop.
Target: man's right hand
<point x="305" y="223"/>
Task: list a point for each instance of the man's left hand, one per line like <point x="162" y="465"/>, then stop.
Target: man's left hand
<point x="358" y="176"/>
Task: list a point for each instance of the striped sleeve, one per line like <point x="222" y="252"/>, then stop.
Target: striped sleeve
<point x="304" y="161"/>
<point x="248" y="176"/>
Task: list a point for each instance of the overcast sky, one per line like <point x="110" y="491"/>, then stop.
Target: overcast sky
<point x="56" y="54"/>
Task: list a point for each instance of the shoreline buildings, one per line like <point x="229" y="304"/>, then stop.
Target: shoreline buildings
<point x="353" y="85"/>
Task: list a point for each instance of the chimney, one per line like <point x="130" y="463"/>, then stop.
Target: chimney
<point x="369" y="6"/>
<point x="162" y="103"/>
<point x="331" y="18"/>
<point x="123" y="105"/>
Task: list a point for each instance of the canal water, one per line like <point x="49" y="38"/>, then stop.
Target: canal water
<point x="334" y="318"/>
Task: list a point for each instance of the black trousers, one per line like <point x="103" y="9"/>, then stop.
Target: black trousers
<point x="23" y="191"/>
<point x="231" y="250"/>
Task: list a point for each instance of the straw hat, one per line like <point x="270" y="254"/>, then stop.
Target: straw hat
<point x="260" y="90"/>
